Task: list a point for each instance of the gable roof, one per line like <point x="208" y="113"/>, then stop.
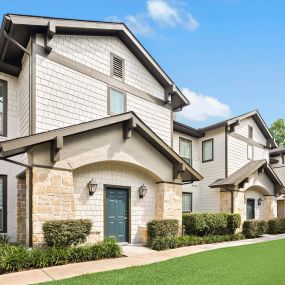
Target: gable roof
<point x="21" y="145"/>
<point x="241" y="174"/>
<point x="277" y="151"/>
<point x="200" y="132"/>
<point x="21" y="27"/>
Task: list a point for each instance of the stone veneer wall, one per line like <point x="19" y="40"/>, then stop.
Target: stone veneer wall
<point x="53" y="198"/>
<point x="270" y="207"/>
<point x="225" y="202"/>
<point x="21" y="211"/>
<point x="168" y="201"/>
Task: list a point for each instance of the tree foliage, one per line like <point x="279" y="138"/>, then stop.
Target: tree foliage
<point x="277" y="129"/>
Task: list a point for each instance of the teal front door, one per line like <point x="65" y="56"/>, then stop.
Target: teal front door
<point x="250" y="211"/>
<point x="117" y="214"/>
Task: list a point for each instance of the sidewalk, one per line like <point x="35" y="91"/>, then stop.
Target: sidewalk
<point x="136" y="256"/>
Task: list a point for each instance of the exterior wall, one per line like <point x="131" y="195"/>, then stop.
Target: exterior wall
<point x="225" y="202"/>
<point x="237" y="148"/>
<point x="280" y="208"/>
<point x="210" y="198"/>
<point x="196" y="163"/>
<point x="65" y="97"/>
<point x="113" y="173"/>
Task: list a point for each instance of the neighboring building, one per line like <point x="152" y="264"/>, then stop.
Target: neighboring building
<point x="233" y="158"/>
<point x="277" y="161"/>
<point x="84" y="100"/>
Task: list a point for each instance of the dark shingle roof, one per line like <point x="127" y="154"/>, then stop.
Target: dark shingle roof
<point x="241" y="174"/>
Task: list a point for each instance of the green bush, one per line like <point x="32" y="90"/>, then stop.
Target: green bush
<point x="163" y="243"/>
<point x="162" y="228"/>
<point x="64" y="233"/>
<point x="15" y="258"/>
<point x="253" y="228"/>
<point x="276" y="226"/>
<point x="203" y="224"/>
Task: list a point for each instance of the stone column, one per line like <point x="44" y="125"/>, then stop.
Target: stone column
<point x="225" y="202"/>
<point x="239" y="204"/>
<point x="21" y="211"/>
<point x="53" y="199"/>
<point x="168" y="199"/>
<point x="270" y="207"/>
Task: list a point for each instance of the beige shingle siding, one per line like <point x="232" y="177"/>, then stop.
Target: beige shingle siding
<point x="237" y="149"/>
<point x="65" y="97"/>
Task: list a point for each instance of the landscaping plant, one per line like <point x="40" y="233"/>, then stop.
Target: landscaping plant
<point x="253" y="228"/>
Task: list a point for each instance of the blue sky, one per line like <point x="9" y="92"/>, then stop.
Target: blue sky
<point x="227" y="55"/>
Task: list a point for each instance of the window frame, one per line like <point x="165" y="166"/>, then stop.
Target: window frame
<point x="251" y="199"/>
<point x="250" y="132"/>
<point x="5" y="107"/>
<point x="4" y="177"/>
<point x="109" y="100"/>
<point x="191" y="204"/>
<point x="203" y="143"/>
<point x="112" y="55"/>
<point x="189" y="141"/>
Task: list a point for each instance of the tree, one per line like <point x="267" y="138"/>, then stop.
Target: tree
<point x="277" y="130"/>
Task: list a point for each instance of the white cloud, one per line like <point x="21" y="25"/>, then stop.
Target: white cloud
<point x="203" y="107"/>
<point x="191" y="23"/>
<point x="139" y="25"/>
<point x="161" y="12"/>
<point x="112" y="19"/>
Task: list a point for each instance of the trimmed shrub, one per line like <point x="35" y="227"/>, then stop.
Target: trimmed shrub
<point x="276" y="226"/>
<point x="204" y="224"/>
<point x="64" y="233"/>
<point x="162" y="228"/>
<point x="163" y="243"/>
<point x="253" y="229"/>
<point x="233" y="222"/>
<point x="15" y="258"/>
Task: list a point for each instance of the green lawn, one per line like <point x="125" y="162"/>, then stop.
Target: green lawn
<point x="251" y="264"/>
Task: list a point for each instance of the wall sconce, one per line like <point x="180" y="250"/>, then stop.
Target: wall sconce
<point x="92" y="186"/>
<point x="259" y="201"/>
<point x="142" y="191"/>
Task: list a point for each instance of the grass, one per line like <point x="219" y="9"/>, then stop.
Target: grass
<point x="250" y="264"/>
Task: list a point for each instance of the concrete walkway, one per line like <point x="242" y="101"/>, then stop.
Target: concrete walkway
<point x="135" y="256"/>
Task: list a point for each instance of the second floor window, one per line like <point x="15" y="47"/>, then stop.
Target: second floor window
<point x="208" y="150"/>
<point x="116" y="102"/>
<point x="185" y="150"/>
<point x="3" y="108"/>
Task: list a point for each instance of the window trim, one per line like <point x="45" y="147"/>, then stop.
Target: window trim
<point x="203" y="142"/>
<point x="186" y="140"/>
<point x="112" y="55"/>
<point x="191" y="205"/>
<point x="250" y="132"/>
<point x="4" y="177"/>
<point x="109" y="100"/>
<point x="5" y="107"/>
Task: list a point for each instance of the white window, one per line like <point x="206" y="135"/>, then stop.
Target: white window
<point x="249" y="152"/>
<point x="186" y="202"/>
<point x="117" y="102"/>
<point x="185" y="150"/>
<point x="208" y="150"/>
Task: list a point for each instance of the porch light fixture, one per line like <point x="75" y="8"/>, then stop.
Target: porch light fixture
<point x="142" y="191"/>
<point x="92" y="186"/>
<point x="259" y="201"/>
